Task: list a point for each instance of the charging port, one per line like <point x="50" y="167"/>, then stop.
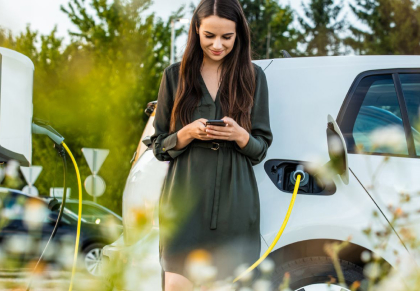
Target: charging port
<point x="282" y="173"/>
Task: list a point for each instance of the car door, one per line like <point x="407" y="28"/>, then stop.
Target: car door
<point x="379" y="121"/>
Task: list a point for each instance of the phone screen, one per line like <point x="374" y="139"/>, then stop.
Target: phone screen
<point x="216" y="122"/>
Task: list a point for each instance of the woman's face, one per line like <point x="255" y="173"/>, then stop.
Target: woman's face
<point x="217" y="37"/>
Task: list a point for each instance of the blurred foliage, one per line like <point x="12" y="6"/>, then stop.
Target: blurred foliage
<point x="94" y="90"/>
<point x="321" y="27"/>
<point x="394" y="27"/>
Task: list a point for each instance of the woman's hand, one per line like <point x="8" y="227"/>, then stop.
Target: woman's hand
<point x="232" y="131"/>
<point x="196" y="129"/>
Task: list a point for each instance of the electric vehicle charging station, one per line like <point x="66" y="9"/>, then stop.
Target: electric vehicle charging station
<point x="17" y="126"/>
<point x="310" y="99"/>
<point x="16" y="109"/>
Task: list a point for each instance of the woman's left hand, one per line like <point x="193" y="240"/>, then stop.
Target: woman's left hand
<point x="232" y="131"/>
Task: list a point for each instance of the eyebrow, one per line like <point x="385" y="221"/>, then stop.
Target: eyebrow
<point x="224" y="34"/>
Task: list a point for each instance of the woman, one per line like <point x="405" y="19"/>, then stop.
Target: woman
<point x="210" y="198"/>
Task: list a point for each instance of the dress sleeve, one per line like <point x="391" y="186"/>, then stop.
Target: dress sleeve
<point x="261" y="136"/>
<point x="163" y="142"/>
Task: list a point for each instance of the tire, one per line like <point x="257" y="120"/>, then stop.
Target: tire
<point x="92" y="256"/>
<point x="315" y="270"/>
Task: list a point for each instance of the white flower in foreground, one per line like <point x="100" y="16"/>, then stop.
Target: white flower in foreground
<point x="11" y="169"/>
<point x="366" y="256"/>
<point x="18" y="244"/>
<point x="262" y="285"/>
<point x="35" y="214"/>
<point x="372" y="271"/>
<point x="267" y="266"/>
<point x="390" y="136"/>
<point x="223" y="286"/>
<point x="241" y="269"/>
<point x="66" y="256"/>
<point x="335" y="145"/>
<point x="198" y="266"/>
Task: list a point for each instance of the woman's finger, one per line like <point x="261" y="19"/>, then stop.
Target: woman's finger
<point x="219" y="128"/>
<point x="229" y="121"/>
<point x="218" y="133"/>
<point x="218" y="137"/>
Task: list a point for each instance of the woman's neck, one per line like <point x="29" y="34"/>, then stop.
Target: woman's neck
<point x="211" y="64"/>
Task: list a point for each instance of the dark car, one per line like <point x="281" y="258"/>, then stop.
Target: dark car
<point x="93" y="212"/>
<point x="26" y="223"/>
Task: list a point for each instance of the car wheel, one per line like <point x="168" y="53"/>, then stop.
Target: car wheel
<point x="313" y="273"/>
<point x="93" y="255"/>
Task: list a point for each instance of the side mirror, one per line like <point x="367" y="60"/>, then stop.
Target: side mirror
<point x="150" y="107"/>
<point x="337" y="150"/>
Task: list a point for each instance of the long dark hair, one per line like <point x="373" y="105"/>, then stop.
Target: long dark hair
<point x="237" y="76"/>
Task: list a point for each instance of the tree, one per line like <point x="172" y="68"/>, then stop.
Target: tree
<point x="6" y="38"/>
<point x="322" y="27"/>
<point x="271" y="28"/>
<point x="393" y="27"/>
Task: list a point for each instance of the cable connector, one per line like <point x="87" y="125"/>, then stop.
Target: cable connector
<point x="299" y="171"/>
<point x="42" y="127"/>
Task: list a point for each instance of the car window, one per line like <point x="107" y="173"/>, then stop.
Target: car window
<point x="411" y="89"/>
<point x="92" y="213"/>
<point x="53" y="216"/>
<point x="374" y="124"/>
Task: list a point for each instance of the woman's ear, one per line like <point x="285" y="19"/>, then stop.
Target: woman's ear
<point x="196" y="29"/>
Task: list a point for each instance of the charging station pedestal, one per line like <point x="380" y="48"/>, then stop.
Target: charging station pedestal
<point x="16" y="109"/>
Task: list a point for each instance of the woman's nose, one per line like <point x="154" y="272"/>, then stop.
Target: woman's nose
<point x="217" y="44"/>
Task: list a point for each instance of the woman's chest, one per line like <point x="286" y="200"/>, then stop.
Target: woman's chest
<point x="207" y="107"/>
<point x="211" y="85"/>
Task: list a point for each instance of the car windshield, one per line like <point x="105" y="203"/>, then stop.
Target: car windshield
<point x="73" y="215"/>
<point x="94" y="214"/>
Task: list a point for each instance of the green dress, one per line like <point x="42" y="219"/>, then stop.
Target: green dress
<point x="210" y="198"/>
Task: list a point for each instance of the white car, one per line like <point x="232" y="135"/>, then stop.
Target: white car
<point x="369" y="97"/>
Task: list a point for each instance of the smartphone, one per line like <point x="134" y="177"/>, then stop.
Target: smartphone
<point x="215" y="122"/>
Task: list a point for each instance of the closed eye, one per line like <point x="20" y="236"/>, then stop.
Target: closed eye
<point x="210" y="36"/>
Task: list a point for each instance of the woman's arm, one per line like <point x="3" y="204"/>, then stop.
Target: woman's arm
<point x="167" y="146"/>
<point x="184" y="138"/>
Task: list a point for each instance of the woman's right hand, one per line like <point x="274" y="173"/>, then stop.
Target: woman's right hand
<point x="197" y="129"/>
<point x="194" y="130"/>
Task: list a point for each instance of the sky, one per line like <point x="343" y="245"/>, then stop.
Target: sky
<point x="43" y="15"/>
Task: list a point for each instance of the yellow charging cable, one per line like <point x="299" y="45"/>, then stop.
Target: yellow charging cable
<point x="79" y="217"/>
<point x="76" y="248"/>
<point x="286" y="219"/>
